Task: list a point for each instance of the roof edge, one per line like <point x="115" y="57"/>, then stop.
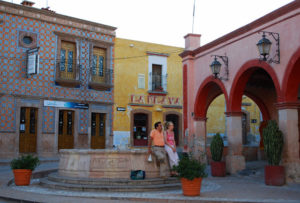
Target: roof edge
<point x="246" y="28"/>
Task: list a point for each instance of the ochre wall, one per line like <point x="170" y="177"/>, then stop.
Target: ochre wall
<point x="216" y="117"/>
<point x="131" y="59"/>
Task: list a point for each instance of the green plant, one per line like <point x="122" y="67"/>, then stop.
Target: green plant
<point x="273" y="142"/>
<point x="216" y="147"/>
<point x="190" y="168"/>
<point x="25" y="162"/>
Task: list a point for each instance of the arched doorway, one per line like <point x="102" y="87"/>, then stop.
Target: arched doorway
<point x="208" y="91"/>
<point x="251" y="117"/>
<point x="140" y="129"/>
<point x="176" y="118"/>
<point x="257" y="80"/>
<point x="140" y="126"/>
<point x="291" y="88"/>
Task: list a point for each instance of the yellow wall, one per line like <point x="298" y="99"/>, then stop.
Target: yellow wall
<point x="131" y="59"/>
<point x="216" y="116"/>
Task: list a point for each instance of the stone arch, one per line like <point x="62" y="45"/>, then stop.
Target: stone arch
<point x="261" y="105"/>
<point x="241" y="78"/>
<point x="291" y="80"/>
<point x="207" y="92"/>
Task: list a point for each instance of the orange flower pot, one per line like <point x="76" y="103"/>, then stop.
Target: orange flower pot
<point x="191" y="187"/>
<point x="22" y="176"/>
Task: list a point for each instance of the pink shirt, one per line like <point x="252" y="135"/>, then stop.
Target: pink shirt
<point x="170" y="138"/>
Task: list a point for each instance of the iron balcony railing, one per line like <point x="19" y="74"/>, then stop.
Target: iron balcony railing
<point x="159" y="82"/>
<point x="66" y="71"/>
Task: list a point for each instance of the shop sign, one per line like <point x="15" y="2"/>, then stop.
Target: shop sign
<point x="32" y="62"/>
<point x="65" y="104"/>
<point x="154" y="99"/>
<point x="121" y="109"/>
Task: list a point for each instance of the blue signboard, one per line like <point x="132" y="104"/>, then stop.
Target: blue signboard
<point x="65" y="104"/>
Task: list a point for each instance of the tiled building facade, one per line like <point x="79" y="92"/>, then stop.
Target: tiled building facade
<point x="68" y="102"/>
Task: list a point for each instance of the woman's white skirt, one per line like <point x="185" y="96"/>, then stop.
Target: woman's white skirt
<point x="173" y="156"/>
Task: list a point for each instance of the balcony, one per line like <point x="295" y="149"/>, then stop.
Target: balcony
<point x="158" y="85"/>
<point x="102" y="81"/>
<point x="67" y="76"/>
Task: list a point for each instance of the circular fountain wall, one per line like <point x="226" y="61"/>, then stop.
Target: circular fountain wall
<point x="105" y="163"/>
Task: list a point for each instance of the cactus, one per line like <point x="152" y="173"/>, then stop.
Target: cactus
<point x="273" y="142"/>
<point x="216" y="147"/>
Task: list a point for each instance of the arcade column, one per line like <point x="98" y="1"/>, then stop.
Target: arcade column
<point x="288" y="124"/>
<point x="199" y="140"/>
<point x="235" y="161"/>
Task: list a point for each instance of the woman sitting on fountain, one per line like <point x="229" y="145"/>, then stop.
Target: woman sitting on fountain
<point x="170" y="146"/>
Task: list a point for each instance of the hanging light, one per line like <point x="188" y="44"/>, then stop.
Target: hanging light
<point x="264" y="46"/>
<point x="215" y="67"/>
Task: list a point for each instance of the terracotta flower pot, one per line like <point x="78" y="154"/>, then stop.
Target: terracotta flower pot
<point x="191" y="187"/>
<point x="218" y="169"/>
<point x="22" y="176"/>
<point x="274" y="175"/>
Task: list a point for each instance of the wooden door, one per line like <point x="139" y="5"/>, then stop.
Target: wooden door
<point x="66" y="129"/>
<point x="28" y="130"/>
<point x="140" y="129"/>
<point x="98" y="131"/>
<point x="175" y="120"/>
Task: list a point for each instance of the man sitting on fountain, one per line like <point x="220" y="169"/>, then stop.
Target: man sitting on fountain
<point x="157" y="137"/>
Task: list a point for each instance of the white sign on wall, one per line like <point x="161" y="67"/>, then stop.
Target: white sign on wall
<point x="32" y="64"/>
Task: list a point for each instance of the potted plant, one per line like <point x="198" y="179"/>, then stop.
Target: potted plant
<point x="218" y="167"/>
<point x="273" y="145"/>
<point x="190" y="171"/>
<point x="22" y="168"/>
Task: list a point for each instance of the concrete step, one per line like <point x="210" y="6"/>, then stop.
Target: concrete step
<point x="54" y="177"/>
<point x="45" y="182"/>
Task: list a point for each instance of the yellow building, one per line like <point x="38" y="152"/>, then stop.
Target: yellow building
<point x="250" y="121"/>
<point x="147" y="89"/>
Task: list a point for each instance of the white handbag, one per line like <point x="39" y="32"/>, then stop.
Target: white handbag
<point x="150" y="158"/>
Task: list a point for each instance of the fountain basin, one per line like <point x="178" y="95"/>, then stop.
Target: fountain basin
<point x="105" y="163"/>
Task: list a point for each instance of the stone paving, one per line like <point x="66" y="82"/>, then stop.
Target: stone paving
<point x="247" y="186"/>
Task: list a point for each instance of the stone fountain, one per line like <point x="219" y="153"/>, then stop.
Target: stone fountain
<point x="106" y="170"/>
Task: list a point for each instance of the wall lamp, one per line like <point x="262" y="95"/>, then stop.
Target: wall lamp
<point x="216" y="67"/>
<point x="264" y="47"/>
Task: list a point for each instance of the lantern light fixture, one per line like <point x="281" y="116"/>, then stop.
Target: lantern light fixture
<point x="216" y="67"/>
<point x="264" y="47"/>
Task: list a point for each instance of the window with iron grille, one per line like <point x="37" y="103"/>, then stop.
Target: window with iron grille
<point x="157" y="78"/>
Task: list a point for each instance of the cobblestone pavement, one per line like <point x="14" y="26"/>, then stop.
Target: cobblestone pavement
<point x="247" y="186"/>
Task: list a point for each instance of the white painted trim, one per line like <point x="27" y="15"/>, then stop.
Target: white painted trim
<point x="158" y="60"/>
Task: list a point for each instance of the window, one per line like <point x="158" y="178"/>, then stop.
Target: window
<point x="101" y="72"/>
<point x="157" y="74"/>
<point x="157" y="78"/>
<point x="98" y="64"/>
<point x="141" y="81"/>
<point x="27" y="39"/>
<point x="67" y="58"/>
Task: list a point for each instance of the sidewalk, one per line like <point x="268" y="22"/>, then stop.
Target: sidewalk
<point x="247" y="186"/>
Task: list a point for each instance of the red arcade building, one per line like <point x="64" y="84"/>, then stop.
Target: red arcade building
<point x="270" y="76"/>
